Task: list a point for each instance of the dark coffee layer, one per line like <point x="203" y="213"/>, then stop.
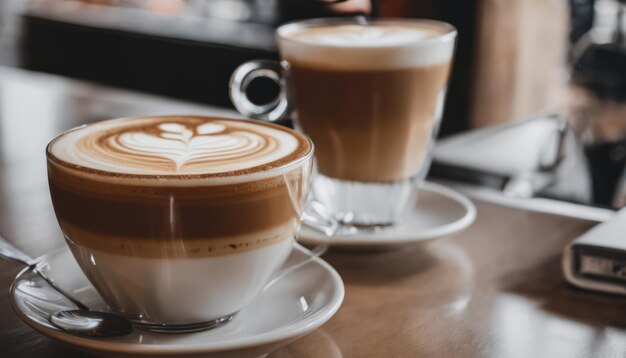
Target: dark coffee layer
<point x="371" y="125"/>
<point x="91" y="212"/>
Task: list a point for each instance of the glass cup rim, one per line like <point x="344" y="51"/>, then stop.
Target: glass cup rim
<point x="205" y="177"/>
<point x="449" y="34"/>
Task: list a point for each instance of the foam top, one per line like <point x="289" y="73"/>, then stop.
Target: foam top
<point x="178" y="146"/>
<point x="383" y="44"/>
<point x="362" y="36"/>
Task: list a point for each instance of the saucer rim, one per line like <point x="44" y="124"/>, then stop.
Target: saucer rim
<point x="283" y="333"/>
<point x="390" y="239"/>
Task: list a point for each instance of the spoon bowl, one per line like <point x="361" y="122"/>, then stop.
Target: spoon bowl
<point x="91" y="323"/>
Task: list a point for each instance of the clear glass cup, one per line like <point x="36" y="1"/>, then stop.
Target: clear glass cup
<point x="181" y="252"/>
<point x="372" y="107"/>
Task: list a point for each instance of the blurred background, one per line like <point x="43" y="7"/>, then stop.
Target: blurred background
<point x="535" y="105"/>
<point x="510" y="59"/>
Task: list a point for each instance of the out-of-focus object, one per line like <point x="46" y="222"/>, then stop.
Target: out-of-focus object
<point x="535" y="157"/>
<point x="516" y="75"/>
<point x="371" y="100"/>
<point x="178" y="48"/>
<point x="510" y="57"/>
<point x="581" y="18"/>
<point x="597" y="259"/>
<point x="597" y="103"/>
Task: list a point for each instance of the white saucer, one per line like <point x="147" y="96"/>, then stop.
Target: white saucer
<point x="439" y="212"/>
<point x="295" y="305"/>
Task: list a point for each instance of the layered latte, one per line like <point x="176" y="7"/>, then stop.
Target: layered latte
<point x="369" y="95"/>
<point x="179" y="220"/>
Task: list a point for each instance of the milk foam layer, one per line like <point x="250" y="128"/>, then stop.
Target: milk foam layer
<point x="363" y="36"/>
<point x="168" y="146"/>
<point x="385" y="44"/>
<point x="180" y="290"/>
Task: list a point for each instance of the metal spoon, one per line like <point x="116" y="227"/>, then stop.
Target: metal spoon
<point x="81" y="321"/>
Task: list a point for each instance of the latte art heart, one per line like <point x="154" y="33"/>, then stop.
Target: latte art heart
<point x="184" y="147"/>
<point x="178" y="146"/>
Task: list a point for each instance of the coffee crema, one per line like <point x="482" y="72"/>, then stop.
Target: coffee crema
<point x="177" y="146"/>
<point x="178" y="187"/>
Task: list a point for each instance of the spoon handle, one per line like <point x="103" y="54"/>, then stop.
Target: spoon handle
<point x="7" y="250"/>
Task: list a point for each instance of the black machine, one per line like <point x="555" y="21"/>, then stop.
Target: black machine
<point x="183" y="49"/>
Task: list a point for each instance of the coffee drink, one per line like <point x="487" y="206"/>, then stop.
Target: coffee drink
<point x="368" y="95"/>
<point x="179" y="220"/>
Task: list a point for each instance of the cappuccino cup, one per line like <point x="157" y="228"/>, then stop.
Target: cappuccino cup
<point x="179" y="221"/>
<point x="370" y="95"/>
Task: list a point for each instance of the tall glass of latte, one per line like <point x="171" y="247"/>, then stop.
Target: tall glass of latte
<point x="178" y="222"/>
<point x="370" y="96"/>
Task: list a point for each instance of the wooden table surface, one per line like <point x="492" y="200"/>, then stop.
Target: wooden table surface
<point x="494" y="290"/>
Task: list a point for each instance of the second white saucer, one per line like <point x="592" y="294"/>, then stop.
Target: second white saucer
<point x="439" y="212"/>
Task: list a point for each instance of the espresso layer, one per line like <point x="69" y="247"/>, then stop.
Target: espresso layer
<point x="369" y="126"/>
<point x="154" y="220"/>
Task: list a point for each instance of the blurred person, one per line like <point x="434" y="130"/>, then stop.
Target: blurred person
<point x="294" y="10"/>
<point x="352" y="7"/>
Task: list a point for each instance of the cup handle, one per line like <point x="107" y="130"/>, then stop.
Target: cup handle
<point x="314" y="217"/>
<point x="241" y="79"/>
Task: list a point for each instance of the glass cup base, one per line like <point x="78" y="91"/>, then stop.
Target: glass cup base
<point x="184" y="328"/>
<point x="364" y="204"/>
